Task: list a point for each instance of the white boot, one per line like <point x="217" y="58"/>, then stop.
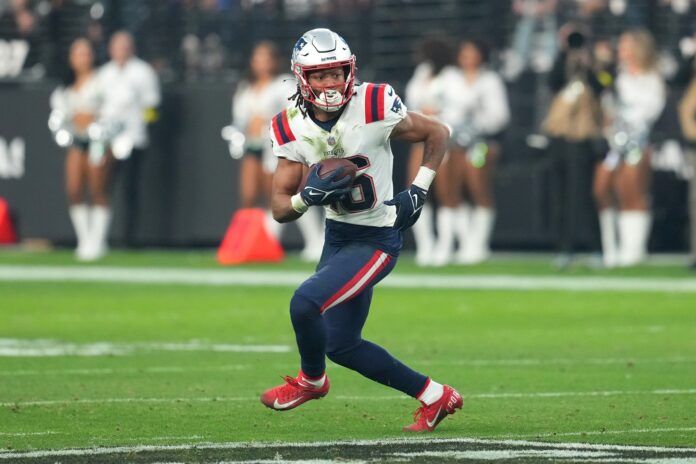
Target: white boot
<point x="312" y="230"/>
<point x="610" y="245"/>
<point x="79" y="215"/>
<point x="634" y="229"/>
<point x="100" y="220"/>
<point x="272" y="226"/>
<point x="444" y="249"/>
<point x="462" y="221"/>
<point x="477" y="248"/>
<point x="424" y="236"/>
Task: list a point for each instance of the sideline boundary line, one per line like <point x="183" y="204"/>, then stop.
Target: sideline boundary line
<point x="321" y="444"/>
<point x="247" y="277"/>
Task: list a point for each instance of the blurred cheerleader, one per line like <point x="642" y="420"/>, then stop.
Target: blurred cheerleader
<point x="257" y="99"/>
<point x="622" y="178"/>
<point x="75" y="107"/>
<point x="476" y="108"/>
<point x="433" y="56"/>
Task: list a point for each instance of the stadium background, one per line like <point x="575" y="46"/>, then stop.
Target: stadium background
<point x="160" y="355"/>
<point x="188" y="182"/>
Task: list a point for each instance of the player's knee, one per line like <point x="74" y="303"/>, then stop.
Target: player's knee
<point x="302" y="308"/>
<point x="341" y="352"/>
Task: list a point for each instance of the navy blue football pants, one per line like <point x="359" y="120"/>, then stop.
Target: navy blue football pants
<point x="329" y="310"/>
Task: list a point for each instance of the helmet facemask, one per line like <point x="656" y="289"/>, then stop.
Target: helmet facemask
<point x="329" y="100"/>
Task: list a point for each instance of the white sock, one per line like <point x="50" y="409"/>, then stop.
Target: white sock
<point x="316" y="383"/>
<point x="634" y="229"/>
<point x="610" y="246"/>
<point x="101" y="219"/>
<point x="312" y="230"/>
<point x="462" y="224"/>
<point x="445" y="236"/>
<point x="79" y="215"/>
<point x="272" y="226"/>
<point x="433" y="392"/>
<point x="424" y="236"/>
<point x="478" y="245"/>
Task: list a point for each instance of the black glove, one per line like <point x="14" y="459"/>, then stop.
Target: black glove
<point x="323" y="191"/>
<point x="409" y="205"/>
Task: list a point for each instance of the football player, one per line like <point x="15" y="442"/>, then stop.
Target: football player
<point x="334" y="117"/>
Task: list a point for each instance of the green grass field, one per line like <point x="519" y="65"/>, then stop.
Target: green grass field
<point x="92" y="364"/>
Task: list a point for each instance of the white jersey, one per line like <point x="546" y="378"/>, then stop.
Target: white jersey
<point x="361" y="134"/>
<point x="641" y="97"/>
<point x="249" y="103"/>
<point x="421" y="93"/>
<point x="481" y="102"/>
<point x="128" y="91"/>
<point x="71" y="100"/>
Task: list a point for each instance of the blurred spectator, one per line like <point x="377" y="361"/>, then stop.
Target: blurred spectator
<point x="574" y="122"/>
<point x="687" y="119"/>
<point x="433" y="55"/>
<point x="75" y="107"/>
<point x="130" y="100"/>
<point x="475" y="106"/>
<point x="625" y="171"/>
<point x="202" y="46"/>
<point x="20" y="26"/>
<point x="261" y="96"/>
<point x="534" y="38"/>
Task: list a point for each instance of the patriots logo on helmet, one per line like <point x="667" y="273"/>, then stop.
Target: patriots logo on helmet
<point x="299" y="45"/>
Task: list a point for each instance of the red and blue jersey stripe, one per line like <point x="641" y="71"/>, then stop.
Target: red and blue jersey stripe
<point x="374" y="102"/>
<point x="281" y="128"/>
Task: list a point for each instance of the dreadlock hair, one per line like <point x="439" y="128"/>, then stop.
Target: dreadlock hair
<point x="300" y="102"/>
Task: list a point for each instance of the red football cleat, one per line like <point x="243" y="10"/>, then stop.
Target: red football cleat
<point x="293" y="393"/>
<point x="427" y="417"/>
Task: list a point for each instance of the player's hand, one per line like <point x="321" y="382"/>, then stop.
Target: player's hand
<point x="409" y="205"/>
<point x="324" y="191"/>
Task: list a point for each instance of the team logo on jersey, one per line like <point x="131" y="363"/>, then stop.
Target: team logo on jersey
<point x="331" y="141"/>
<point x="396" y="106"/>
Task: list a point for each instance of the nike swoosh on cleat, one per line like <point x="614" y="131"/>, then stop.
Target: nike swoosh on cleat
<point x="432" y="424"/>
<point x="277" y="405"/>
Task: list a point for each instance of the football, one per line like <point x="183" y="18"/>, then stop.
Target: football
<point x="328" y="166"/>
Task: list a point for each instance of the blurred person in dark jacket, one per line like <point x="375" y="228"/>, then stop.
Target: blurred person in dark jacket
<point x="579" y="76"/>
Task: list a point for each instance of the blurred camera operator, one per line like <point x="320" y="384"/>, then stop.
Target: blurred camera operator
<point x="131" y="94"/>
<point x="622" y="178"/>
<point x="574" y="122"/>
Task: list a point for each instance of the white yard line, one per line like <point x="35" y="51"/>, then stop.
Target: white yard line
<point x="27" y="434"/>
<point x="212" y="399"/>
<point x="556" y="361"/>
<point x="125" y="370"/>
<point x="247" y="277"/>
<point x="600" y="432"/>
<point x="16" y="347"/>
<point x="323" y="444"/>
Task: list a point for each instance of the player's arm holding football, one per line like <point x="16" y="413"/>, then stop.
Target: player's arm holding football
<point x="414" y="128"/>
<point x="288" y="204"/>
